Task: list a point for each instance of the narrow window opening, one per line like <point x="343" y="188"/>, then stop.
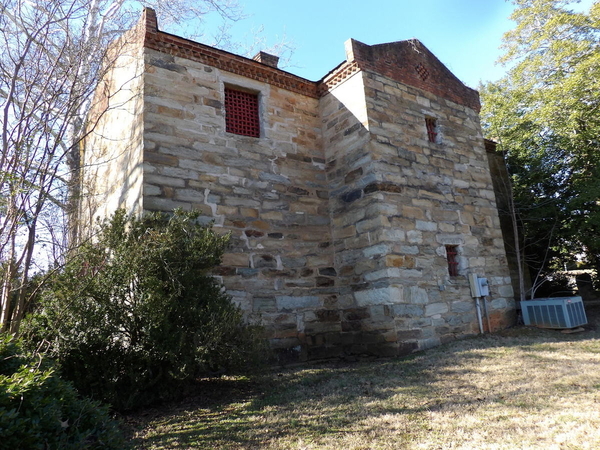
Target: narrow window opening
<point x="241" y="113"/>
<point x="452" y="258"/>
<point x="431" y="125"/>
<point x="422" y="71"/>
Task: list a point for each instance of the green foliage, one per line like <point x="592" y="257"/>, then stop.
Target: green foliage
<point x="135" y="316"/>
<point x="38" y="410"/>
<point x="546" y="116"/>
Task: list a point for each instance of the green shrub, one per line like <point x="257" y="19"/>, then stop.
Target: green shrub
<point x="136" y="315"/>
<point x="38" y="410"/>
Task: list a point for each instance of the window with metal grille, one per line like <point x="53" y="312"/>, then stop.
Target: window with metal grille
<point x="241" y="113"/>
<point x="431" y="125"/>
<point x="452" y="258"/>
<point x="422" y="71"/>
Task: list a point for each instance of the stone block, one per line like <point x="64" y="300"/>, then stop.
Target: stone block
<point x="414" y="237"/>
<point x="376" y="250"/>
<point x="499" y="303"/>
<point x="434" y="309"/>
<point x="290" y="303"/>
<point x="386" y="274"/>
<point x="406" y="310"/>
<point x="264" y="304"/>
<point x="462" y="306"/>
<point x="381" y="296"/>
<point x="506" y="291"/>
<point x="426" y="226"/>
<point x="416" y="295"/>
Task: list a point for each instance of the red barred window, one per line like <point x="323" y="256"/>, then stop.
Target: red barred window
<point x="431" y="125"/>
<point x="241" y="113"/>
<point x="452" y="258"/>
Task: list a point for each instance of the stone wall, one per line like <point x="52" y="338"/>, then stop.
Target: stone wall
<point x="112" y="172"/>
<point x="340" y="212"/>
<point x="433" y="194"/>
<point x="270" y="193"/>
<point x="502" y="188"/>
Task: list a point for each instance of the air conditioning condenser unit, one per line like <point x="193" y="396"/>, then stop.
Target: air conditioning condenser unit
<point x="559" y="312"/>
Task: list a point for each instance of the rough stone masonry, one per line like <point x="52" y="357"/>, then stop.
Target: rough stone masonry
<point x="357" y="204"/>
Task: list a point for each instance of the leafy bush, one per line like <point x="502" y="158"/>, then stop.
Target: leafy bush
<point x="38" y="410"/>
<point x="136" y="315"/>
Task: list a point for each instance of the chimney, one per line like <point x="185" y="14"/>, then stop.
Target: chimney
<point x="265" y="58"/>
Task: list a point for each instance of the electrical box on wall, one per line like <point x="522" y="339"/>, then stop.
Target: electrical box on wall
<point x="484" y="287"/>
<point x="479" y="286"/>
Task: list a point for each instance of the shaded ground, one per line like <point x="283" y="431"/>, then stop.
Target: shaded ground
<point x="521" y="388"/>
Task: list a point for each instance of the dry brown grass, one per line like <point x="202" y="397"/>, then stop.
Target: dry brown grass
<point x="522" y="389"/>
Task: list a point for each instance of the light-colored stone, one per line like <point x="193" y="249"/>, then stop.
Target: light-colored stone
<point x="382" y="296"/>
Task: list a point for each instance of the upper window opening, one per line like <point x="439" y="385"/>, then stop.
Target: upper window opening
<point x="241" y="113"/>
<point x="431" y="125"/>
<point x="452" y="258"/>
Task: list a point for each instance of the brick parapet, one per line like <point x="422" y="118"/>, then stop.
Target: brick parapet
<point x="408" y="62"/>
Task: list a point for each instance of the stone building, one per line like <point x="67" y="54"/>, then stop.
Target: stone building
<point x="357" y="204"/>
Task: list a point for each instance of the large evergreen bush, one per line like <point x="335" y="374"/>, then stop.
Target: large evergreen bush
<point x="38" y="410"/>
<point x="136" y="314"/>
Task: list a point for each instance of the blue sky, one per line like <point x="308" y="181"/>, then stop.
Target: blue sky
<point x="464" y="34"/>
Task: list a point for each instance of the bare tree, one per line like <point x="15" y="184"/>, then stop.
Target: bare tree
<point x="52" y="56"/>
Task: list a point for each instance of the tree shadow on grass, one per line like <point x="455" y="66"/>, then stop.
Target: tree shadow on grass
<point x="323" y="401"/>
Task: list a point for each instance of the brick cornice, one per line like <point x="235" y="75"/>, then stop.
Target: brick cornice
<point x="337" y="75"/>
<point x="401" y="61"/>
<point x="177" y="46"/>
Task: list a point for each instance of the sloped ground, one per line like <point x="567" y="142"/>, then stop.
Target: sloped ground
<point x="524" y="388"/>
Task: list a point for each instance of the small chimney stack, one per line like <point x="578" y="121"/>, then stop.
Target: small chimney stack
<point x="266" y="58"/>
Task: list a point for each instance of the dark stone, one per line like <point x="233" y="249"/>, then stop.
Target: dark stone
<point x="246" y="272"/>
<point x="324" y="352"/>
<point x="356" y="314"/>
<point x="351" y="196"/>
<point x="265" y="261"/>
<point x="324" y="281"/>
<point x="383" y="349"/>
<point x="327" y="271"/>
<point x="354" y="325"/>
<point x="487" y="242"/>
<point x="405" y="348"/>
<point x="298" y="157"/>
<point x="327" y="315"/>
<point x="352" y="129"/>
<point x="351" y="176"/>
<point x="382" y="187"/>
<point x="274" y="273"/>
<point x="224" y="271"/>
<point x="212" y="102"/>
<point x="306" y="272"/>
<point x="297" y="190"/>
<point x="478" y="231"/>
<point x="408" y="334"/>
<point x="168" y="63"/>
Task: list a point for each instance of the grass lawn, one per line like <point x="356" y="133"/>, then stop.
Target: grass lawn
<point x="524" y="388"/>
